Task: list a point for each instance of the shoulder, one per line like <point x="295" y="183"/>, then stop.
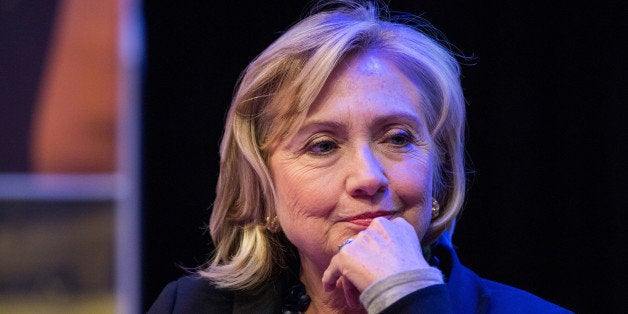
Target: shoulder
<point x="469" y="291"/>
<point x="513" y="300"/>
<point x="192" y="294"/>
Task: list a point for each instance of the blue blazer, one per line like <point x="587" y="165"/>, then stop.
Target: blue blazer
<point x="464" y="292"/>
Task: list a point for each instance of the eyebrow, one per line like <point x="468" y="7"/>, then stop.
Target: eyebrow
<point x="412" y="119"/>
<point x="316" y="124"/>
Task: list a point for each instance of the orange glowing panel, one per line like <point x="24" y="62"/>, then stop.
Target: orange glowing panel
<point x="74" y="128"/>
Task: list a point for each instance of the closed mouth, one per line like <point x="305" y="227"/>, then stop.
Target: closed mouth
<point x="365" y="219"/>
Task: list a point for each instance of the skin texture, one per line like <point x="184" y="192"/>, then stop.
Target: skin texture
<point x="359" y="167"/>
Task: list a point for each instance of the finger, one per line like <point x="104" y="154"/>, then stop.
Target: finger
<point x="331" y="275"/>
<point x="352" y="295"/>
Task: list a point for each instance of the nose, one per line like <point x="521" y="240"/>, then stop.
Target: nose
<point x="366" y="176"/>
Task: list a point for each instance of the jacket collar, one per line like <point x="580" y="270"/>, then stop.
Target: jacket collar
<point x="466" y="289"/>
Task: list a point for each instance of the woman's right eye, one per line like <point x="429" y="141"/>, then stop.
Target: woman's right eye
<point x="322" y="147"/>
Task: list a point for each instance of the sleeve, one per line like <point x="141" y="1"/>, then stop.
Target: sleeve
<point x="166" y="300"/>
<point x="410" y="290"/>
<point x="433" y="299"/>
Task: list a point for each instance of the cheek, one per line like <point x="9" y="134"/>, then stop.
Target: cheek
<point x="414" y="191"/>
<point x="306" y="199"/>
<point x="300" y="187"/>
<point x="413" y="186"/>
<point x="413" y="178"/>
<point x="302" y="195"/>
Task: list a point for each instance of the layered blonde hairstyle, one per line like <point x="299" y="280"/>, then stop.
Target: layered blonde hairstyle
<point x="274" y="95"/>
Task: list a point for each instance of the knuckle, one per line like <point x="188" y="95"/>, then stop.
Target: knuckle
<point x="379" y="223"/>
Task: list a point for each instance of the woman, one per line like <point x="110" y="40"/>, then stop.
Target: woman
<point x="341" y="177"/>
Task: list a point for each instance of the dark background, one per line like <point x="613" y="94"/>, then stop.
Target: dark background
<point x="25" y="31"/>
<point x="546" y="206"/>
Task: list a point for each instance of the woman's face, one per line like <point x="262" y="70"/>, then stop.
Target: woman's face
<point x="362" y="152"/>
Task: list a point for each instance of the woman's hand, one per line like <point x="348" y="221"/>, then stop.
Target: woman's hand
<point x="385" y="248"/>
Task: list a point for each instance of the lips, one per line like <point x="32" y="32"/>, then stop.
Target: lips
<point x="365" y="219"/>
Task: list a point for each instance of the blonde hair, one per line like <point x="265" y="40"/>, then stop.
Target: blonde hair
<point x="274" y="95"/>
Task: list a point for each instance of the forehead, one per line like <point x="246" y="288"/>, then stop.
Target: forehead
<point x="367" y="79"/>
<point x="357" y="75"/>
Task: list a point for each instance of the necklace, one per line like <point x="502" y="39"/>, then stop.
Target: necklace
<point x="296" y="301"/>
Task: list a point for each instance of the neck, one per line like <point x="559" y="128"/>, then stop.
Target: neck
<point x="322" y="301"/>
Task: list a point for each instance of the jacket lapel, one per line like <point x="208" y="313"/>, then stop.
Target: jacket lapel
<point x="467" y="291"/>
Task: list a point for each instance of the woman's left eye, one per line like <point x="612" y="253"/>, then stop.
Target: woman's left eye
<point x="400" y="138"/>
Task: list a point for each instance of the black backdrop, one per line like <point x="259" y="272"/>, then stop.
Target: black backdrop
<point x="546" y="138"/>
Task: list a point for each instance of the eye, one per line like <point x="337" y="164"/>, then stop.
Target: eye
<point x="399" y="138"/>
<point x="321" y="147"/>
